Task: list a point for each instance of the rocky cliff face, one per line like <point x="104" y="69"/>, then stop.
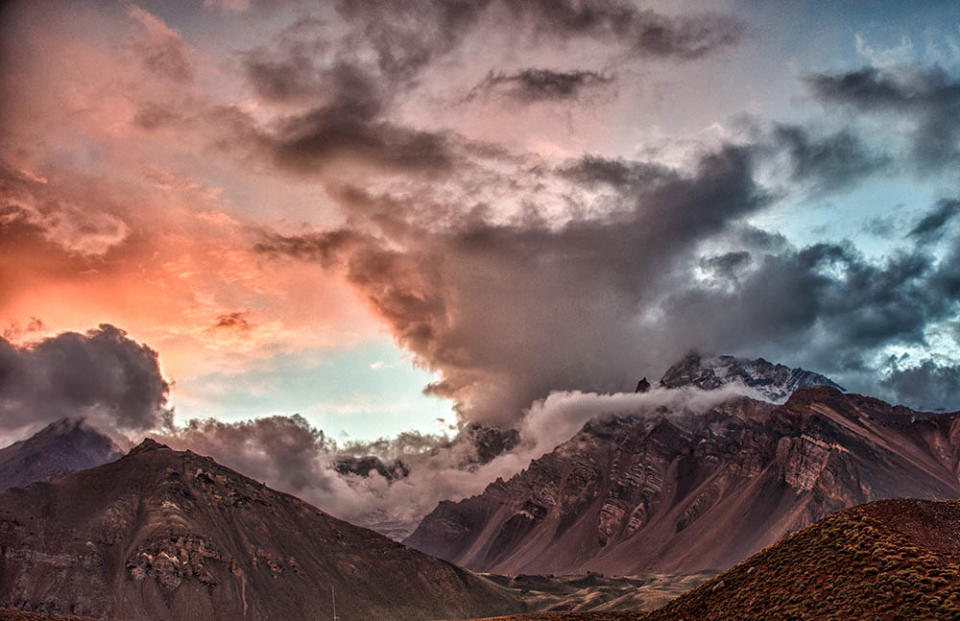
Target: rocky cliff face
<point x="660" y="492"/>
<point x="772" y="382"/>
<point x="59" y="448"/>
<point x="162" y="534"/>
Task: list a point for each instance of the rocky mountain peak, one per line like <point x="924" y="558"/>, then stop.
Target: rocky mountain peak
<point x="63" y="426"/>
<point x="772" y="382"/>
<point x="148" y="444"/>
<point x="61" y="447"/>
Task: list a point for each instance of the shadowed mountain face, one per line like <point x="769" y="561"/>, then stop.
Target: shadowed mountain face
<point x="59" y="448"/>
<point x="162" y="534"/>
<point x="658" y="492"/>
<point x="894" y="559"/>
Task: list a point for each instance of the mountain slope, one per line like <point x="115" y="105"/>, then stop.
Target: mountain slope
<point x="162" y="534"/>
<point x="664" y="493"/>
<point x="64" y="446"/>
<point x="893" y="559"/>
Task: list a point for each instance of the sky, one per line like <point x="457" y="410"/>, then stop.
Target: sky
<point x="416" y="215"/>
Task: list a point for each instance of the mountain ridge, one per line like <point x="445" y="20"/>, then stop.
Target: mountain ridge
<point x="63" y="446"/>
<point x="658" y="493"/>
<point x="771" y="381"/>
<point x="163" y="534"/>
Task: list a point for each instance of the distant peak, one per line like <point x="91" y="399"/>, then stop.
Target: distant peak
<point x="64" y="425"/>
<point x="774" y="382"/>
<point x="148" y="444"/>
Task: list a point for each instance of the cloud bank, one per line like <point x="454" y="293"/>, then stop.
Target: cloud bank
<point x="101" y="375"/>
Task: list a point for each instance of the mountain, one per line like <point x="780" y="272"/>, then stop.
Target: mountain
<point x="64" y="446"/>
<point x="772" y="382"/>
<point x="675" y="493"/>
<point x="894" y="559"/>
<point x="162" y="534"/>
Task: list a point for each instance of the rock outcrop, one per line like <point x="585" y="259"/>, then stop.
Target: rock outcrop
<point x="661" y="492"/>
<point x="162" y="534"/>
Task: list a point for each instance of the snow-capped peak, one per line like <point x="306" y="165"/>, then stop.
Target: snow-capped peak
<point x="773" y="382"/>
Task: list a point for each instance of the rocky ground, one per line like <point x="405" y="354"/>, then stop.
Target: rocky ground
<point x="595" y="592"/>
<point x="570" y="616"/>
<point x="7" y="614"/>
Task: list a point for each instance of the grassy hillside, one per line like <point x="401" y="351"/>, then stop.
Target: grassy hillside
<point x="894" y="559"/>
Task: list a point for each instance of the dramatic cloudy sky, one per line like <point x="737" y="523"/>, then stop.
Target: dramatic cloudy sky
<point x="411" y="214"/>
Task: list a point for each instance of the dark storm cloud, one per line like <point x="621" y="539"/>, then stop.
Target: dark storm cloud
<point x="533" y="85"/>
<point x="285" y="450"/>
<point x="931" y="225"/>
<point x="408" y="34"/>
<point x="789" y="296"/>
<point x="501" y="341"/>
<point x="835" y="162"/>
<point x="929" y="98"/>
<point x="287" y="70"/>
<point x="307" y="143"/>
<point x="645" y="32"/>
<point x="347" y="125"/>
<point x="508" y="312"/>
<point x="591" y="170"/>
<point x="928" y="385"/>
<point x="101" y="374"/>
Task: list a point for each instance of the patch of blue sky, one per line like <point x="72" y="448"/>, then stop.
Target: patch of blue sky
<point x="875" y="217"/>
<point x="362" y="393"/>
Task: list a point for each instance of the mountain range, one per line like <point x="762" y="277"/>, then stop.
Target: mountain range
<point x="768" y="381"/>
<point x="162" y="534"/>
<point x="628" y="512"/>
<point x="657" y="491"/>
<point x="891" y="559"/>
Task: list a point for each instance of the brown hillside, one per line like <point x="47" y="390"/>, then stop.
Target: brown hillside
<point x="162" y="535"/>
<point x="893" y="559"/>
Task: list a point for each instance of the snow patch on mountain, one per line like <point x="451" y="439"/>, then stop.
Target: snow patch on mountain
<point x="769" y="381"/>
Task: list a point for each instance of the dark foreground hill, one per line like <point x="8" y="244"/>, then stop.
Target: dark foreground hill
<point x="8" y="614"/>
<point x="893" y="559"/>
<point x="167" y="535"/>
<point x="679" y="494"/>
<point x="61" y="447"/>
